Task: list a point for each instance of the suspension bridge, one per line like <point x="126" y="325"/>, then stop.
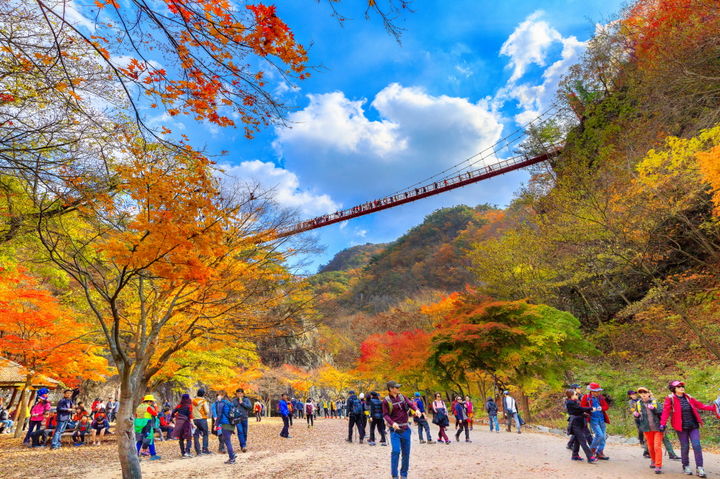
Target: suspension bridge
<point x="478" y="167"/>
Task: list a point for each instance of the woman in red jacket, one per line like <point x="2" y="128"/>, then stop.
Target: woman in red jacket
<point x="682" y="410"/>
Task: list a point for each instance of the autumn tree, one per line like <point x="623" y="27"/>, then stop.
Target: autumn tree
<point x="167" y="260"/>
<point x="44" y="336"/>
<point x="514" y="342"/>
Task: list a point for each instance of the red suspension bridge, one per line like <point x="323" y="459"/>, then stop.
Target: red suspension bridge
<point x="478" y="167"/>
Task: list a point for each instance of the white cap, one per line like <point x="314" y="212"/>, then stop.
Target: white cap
<point x="362" y="395"/>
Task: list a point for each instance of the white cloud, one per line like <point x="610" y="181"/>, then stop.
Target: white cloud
<point x="334" y="144"/>
<point x="285" y="187"/>
<point x="529" y="44"/>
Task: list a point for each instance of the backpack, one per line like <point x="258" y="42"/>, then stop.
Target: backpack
<point x="357" y="407"/>
<point x="308" y="408"/>
<point x="390" y="403"/>
<point x="235" y="414"/>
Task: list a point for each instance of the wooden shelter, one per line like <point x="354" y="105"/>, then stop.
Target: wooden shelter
<point x="13" y="376"/>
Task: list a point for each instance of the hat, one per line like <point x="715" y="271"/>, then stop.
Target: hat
<point x="393" y="384"/>
<point x="362" y="396"/>
<point x="417" y="394"/>
<point x="631" y="391"/>
<point x="149" y="397"/>
<point x="674" y="384"/>
<point x="574" y="386"/>
<point x="351" y="392"/>
<point x="42" y="392"/>
<point x="201" y="392"/>
<point x="595" y="387"/>
<point x="643" y="389"/>
<point x="506" y="392"/>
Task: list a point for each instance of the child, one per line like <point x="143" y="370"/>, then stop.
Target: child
<point x="99" y="425"/>
<point x="82" y="426"/>
<point x="40" y="434"/>
<point x="577" y="426"/>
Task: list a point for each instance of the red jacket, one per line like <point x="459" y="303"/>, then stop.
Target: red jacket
<point x="672" y="406"/>
<point x="585" y="402"/>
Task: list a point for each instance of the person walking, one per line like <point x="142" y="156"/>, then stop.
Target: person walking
<point x="183" y="416"/>
<point x="440" y="418"/>
<point x="682" y="411"/>
<point x="471" y="411"/>
<point x="578" y="389"/>
<point x="421" y="420"/>
<point x="633" y="398"/>
<point x="492" y="410"/>
<point x="65" y="411"/>
<point x="144" y="424"/>
<point x="242" y="407"/>
<point x="310" y="413"/>
<point x="396" y="409"/>
<point x="257" y="410"/>
<point x="356" y="411"/>
<point x="599" y="418"/>
<point x="201" y="408"/>
<point x="461" y="415"/>
<point x="223" y="408"/>
<point x="647" y="417"/>
<point x="510" y="410"/>
<point x="577" y="426"/>
<point x="215" y="411"/>
<point x="376" y="419"/>
<point x="284" y="414"/>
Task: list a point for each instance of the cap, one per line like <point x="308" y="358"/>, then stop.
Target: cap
<point x="149" y="397"/>
<point x="201" y="392"/>
<point x="351" y="392"/>
<point x="674" y="384"/>
<point x="362" y="396"/>
<point x="632" y="391"/>
<point x="506" y="392"/>
<point x="417" y="394"/>
<point x="574" y="386"/>
<point x="393" y="384"/>
<point x="594" y="387"/>
<point x="643" y="389"/>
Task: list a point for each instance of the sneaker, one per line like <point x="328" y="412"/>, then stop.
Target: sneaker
<point x="230" y="461"/>
<point x="371" y="443"/>
<point x="687" y="470"/>
<point x="208" y="453"/>
<point x="646" y="454"/>
<point x="431" y="441"/>
<point x="348" y="440"/>
<point x="155" y="458"/>
<point x="700" y="472"/>
<point x="603" y="457"/>
<point x="592" y="460"/>
<point x="658" y="470"/>
<point x="244" y="449"/>
<point x="468" y="440"/>
<point x="674" y="457"/>
<point x="576" y="458"/>
<point x="422" y="441"/>
<point x="361" y="441"/>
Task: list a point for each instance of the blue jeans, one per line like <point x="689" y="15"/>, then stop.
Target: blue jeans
<point x="242" y="430"/>
<point x="494" y="421"/>
<point x="423" y="424"/>
<point x="227" y="439"/>
<point x="58" y="433"/>
<point x="400" y="442"/>
<point x="598" y="428"/>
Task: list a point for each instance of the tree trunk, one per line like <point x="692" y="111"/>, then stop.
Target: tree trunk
<point x="525" y="406"/>
<point x="125" y="430"/>
<point x="22" y="407"/>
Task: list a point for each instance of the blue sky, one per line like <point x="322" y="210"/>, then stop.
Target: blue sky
<point x="377" y="116"/>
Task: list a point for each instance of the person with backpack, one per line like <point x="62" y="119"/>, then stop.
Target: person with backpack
<point x="223" y="409"/>
<point x="510" y="410"/>
<point x="647" y="415"/>
<point x="682" y="411"/>
<point x="284" y="414"/>
<point x="145" y="422"/>
<point x="577" y="426"/>
<point x="492" y="411"/>
<point x="376" y="419"/>
<point x="183" y="416"/>
<point x="257" y="410"/>
<point x="215" y="411"/>
<point x="471" y="411"/>
<point x="201" y="407"/>
<point x="240" y="413"/>
<point x="396" y="410"/>
<point x="599" y="418"/>
<point x="310" y="413"/>
<point x="356" y="411"/>
<point x="440" y="418"/>
<point x="461" y="415"/>
<point x="421" y="420"/>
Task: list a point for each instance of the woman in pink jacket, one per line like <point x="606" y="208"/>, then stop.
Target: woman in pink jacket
<point x="682" y="410"/>
<point x="37" y="413"/>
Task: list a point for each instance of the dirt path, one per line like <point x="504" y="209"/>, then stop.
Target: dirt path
<point x="322" y="453"/>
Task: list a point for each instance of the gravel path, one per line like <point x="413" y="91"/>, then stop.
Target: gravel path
<point x="322" y="453"/>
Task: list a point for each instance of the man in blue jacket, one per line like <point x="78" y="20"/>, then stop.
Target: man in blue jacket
<point x="65" y="410"/>
<point x="421" y="420"/>
<point x="285" y="415"/>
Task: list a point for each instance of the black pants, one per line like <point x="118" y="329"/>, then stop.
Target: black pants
<point x="40" y="436"/>
<point x="310" y="419"/>
<point x="380" y="425"/>
<point x="580" y="435"/>
<point x="201" y="429"/>
<point x="356" y="420"/>
<point x="463" y="425"/>
<point x="286" y="424"/>
<point x="34" y="425"/>
<point x="290" y="418"/>
<point x="79" y="437"/>
<point x="258" y="416"/>
<point x="184" y="445"/>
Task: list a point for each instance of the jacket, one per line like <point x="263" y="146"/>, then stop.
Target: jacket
<point x="65" y="409"/>
<point x="585" y="402"/>
<point x="461" y="411"/>
<point x="491" y="407"/>
<point x="352" y="403"/>
<point x="243" y="407"/>
<point x="672" y="408"/>
<point x="376" y="408"/>
<point x="222" y="409"/>
<point x="39" y="409"/>
<point x="283" y="408"/>
<point x="643" y="422"/>
<point x="577" y="413"/>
